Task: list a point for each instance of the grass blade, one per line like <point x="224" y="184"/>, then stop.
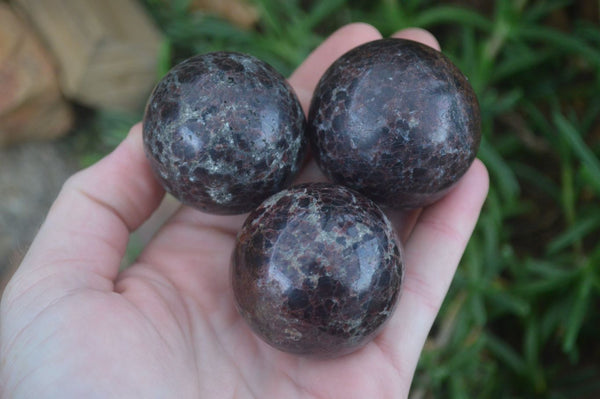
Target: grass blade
<point x="320" y="11"/>
<point x="580" y="148"/>
<point x="548" y="269"/>
<point x="561" y="40"/>
<point x="575" y="233"/>
<point x="539" y="10"/>
<point x="165" y="56"/>
<point x="516" y="64"/>
<point x="536" y="178"/>
<point x="506" y="301"/>
<point x="507" y="182"/>
<point x="506" y="354"/>
<point x="577" y="314"/>
<point x="454" y="15"/>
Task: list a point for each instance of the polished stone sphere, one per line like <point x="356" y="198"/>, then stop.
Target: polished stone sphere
<point x="317" y="270"/>
<point x="395" y="120"/>
<point x="223" y="131"/>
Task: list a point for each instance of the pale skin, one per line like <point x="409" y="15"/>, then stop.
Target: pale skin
<point x="73" y="325"/>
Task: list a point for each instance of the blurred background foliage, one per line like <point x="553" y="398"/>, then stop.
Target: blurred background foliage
<point x="522" y="318"/>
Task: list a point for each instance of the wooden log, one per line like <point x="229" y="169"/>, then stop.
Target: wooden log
<point x="31" y="103"/>
<point x="107" y="51"/>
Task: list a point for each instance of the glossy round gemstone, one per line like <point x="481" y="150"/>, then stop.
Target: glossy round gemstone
<point x="223" y="131"/>
<point x="317" y="270"/>
<point x="395" y="120"/>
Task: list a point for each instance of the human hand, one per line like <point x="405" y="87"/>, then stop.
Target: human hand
<point x="73" y="325"/>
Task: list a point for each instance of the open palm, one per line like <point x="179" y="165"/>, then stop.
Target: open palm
<point x="73" y="325"/>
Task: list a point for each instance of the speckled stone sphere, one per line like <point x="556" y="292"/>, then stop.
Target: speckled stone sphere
<point x="317" y="270"/>
<point x="223" y="131"/>
<point x="395" y="120"/>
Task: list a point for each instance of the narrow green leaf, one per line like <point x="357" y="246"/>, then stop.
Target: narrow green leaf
<point x="288" y="11"/>
<point x="506" y="300"/>
<point x="513" y="64"/>
<point x="268" y="17"/>
<point x="537" y="179"/>
<point x="544" y="276"/>
<point x="477" y="308"/>
<point x="506" y="354"/>
<point x="565" y="42"/>
<point x="505" y="178"/>
<point x="572" y="137"/>
<point x="537" y="118"/>
<point x="532" y="343"/>
<point x="458" y="388"/>
<point x="490" y="247"/>
<point x="468" y="62"/>
<point x="574" y="233"/>
<point x="453" y="15"/>
<point x="589" y="119"/>
<point x="578" y="313"/>
<point x="541" y="9"/>
<point x="549" y="269"/>
<point x="507" y="101"/>
<point x="552" y="318"/>
<point x="568" y="194"/>
<point x="164" y="61"/>
<point x="320" y="11"/>
<point x="179" y="6"/>
<point x="532" y="346"/>
<point x="536" y="288"/>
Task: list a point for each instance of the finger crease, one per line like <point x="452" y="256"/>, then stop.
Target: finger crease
<point x="445" y="229"/>
<point x="105" y="205"/>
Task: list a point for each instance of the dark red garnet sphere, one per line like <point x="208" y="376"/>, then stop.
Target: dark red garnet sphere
<point x="317" y="270"/>
<point x="395" y="120"/>
<point x="223" y="131"/>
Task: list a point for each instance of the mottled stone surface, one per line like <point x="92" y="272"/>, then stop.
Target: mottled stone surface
<point x="317" y="270"/>
<point x="223" y="131"/>
<point x="395" y="120"/>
